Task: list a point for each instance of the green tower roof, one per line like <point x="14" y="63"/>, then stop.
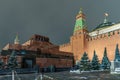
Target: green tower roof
<point x="80" y="21"/>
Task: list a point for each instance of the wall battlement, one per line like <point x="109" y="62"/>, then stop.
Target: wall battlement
<point x="105" y="35"/>
<point x="65" y="45"/>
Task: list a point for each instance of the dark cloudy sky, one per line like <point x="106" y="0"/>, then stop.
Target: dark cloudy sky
<point x="52" y="18"/>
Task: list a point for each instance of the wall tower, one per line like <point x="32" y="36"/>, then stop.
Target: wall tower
<point x="106" y="34"/>
<point x="78" y="40"/>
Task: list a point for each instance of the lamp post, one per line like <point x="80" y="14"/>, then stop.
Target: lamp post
<point x="13" y="75"/>
<point x="12" y="63"/>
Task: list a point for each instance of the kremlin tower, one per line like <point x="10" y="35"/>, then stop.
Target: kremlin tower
<point x="105" y="35"/>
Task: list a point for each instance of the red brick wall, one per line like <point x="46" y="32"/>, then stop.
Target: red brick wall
<point x="97" y="43"/>
<point x="60" y="63"/>
<point x="65" y="47"/>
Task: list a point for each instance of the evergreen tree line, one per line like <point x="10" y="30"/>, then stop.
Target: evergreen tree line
<point x="11" y="63"/>
<point x="94" y="64"/>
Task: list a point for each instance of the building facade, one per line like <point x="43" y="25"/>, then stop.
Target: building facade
<point x="38" y="50"/>
<point x="107" y="34"/>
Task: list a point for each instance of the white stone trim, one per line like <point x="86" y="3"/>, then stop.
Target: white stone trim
<point x="105" y="30"/>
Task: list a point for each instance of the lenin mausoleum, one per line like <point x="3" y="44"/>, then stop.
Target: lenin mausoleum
<point x="39" y="50"/>
<point x="105" y="35"/>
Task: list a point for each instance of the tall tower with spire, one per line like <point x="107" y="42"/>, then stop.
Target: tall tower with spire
<point x="16" y="41"/>
<point x="106" y="34"/>
<point x="80" y="23"/>
<point x="79" y="36"/>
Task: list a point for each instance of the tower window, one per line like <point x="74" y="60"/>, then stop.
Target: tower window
<point x="101" y="36"/>
<point x="109" y="34"/>
<point x="118" y="32"/>
<point x="104" y="35"/>
<point x="113" y="33"/>
<point x="87" y="39"/>
<point x="79" y="32"/>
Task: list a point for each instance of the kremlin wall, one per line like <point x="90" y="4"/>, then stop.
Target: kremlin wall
<point x="38" y="50"/>
<point x="107" y="34"/>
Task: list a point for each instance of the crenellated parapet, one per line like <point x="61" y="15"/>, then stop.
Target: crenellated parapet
<point x="104" y="30"/>
<point x="65" y="45"/>
<point x="101" y="35"/>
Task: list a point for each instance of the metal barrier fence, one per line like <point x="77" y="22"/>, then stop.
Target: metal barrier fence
<point x="31" y="70"/>
<point x="19" y="71"/>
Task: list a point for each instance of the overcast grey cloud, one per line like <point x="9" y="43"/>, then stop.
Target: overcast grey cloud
<point x="52" y="18"/>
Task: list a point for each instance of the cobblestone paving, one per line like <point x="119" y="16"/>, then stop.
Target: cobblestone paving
<point x="18" y="77"/>
<point x="65" y="76"/>
<point x="84" y="76"/>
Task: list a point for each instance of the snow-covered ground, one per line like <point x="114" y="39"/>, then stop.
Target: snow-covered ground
<point x="75" y="71"/>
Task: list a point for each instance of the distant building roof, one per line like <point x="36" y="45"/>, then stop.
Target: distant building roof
<point x="35" y="44"/>
<point x="103" y="25"/>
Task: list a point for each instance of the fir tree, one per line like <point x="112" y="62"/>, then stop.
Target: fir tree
<point x="117" y="55"/>
<point x="1" y="64"/>
<point x="12" y="62"/>
<point x="105" y="61"/>
<point x="85" y="62"/>
<point x="95" y="65"/>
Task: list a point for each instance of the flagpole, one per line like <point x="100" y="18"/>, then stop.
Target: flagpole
<point x="105" y="17"/>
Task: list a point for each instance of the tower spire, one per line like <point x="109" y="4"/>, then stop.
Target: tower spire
<point x="16" y="41"/>
<point x="105" y="19"/>
<point x="80" y="11"/>
<point x="80" y="21"/>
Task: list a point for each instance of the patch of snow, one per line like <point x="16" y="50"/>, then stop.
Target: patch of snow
<point x="83" y="77"/>
<point x="75" y="71"/>
<point x="77" y="77"/>
<point x="86" y="71"/>
<point x="117" y="69"/>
